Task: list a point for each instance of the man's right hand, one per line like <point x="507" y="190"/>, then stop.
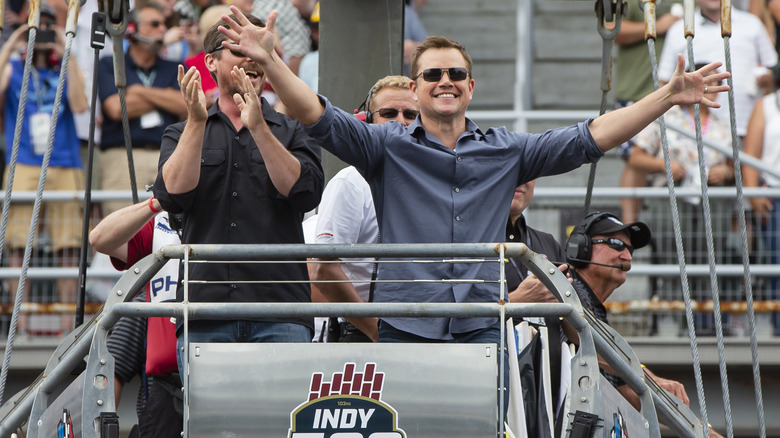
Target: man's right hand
<point x="194" y="98"/>
<point x="532" y="290"/>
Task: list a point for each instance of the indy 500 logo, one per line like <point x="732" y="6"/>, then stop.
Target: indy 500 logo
<point x="348" y="406"/>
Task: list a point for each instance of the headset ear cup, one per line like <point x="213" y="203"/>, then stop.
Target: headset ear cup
<point x="578" y="248"/>
<point x="130" y="32"/>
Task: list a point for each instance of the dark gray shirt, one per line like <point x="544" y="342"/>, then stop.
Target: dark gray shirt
<point x="425" y="192"/>
<point x="235" y="202"/>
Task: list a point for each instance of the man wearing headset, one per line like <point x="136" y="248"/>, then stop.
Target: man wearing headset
<point x="153" y="102"/>
<point x="347" y="215"/>
<point x="600" y="251"/>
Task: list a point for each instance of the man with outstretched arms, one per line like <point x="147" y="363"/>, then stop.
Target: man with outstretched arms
<point x="442" y="178"/>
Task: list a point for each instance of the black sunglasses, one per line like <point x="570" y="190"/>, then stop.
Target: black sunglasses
<point x="616" y="244"/>
<point x="235" y="53"/>
<point x="155" y="23"/>
<point x="435" y="74"/>
<point x="391" y="113"/>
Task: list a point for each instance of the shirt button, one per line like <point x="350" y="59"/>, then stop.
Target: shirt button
<point x="202" y="161"/>
<point x="457" y="190"/>
<point x="233" y="286"/>
<point x="235" y="165"/>
<point x="233" y="224"/>
<point x="457" y="218"/>
<point x="236" y="137"/>
<point x="235" y="194"/>
<point x="460" y="158"/>
<point x="511" y="236"/>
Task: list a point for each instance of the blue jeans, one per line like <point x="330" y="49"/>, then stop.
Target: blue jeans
<point x="241" y="331"/>
<point x="488" y="335"/>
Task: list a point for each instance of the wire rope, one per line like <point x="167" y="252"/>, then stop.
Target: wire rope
<point x="650" y="37"/>
<point x="735" y="145"/>
<point x="34" y="5"/>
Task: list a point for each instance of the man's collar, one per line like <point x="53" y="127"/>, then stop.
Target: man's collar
<point x="471" y="128"/>
<point x="131" y="64"/>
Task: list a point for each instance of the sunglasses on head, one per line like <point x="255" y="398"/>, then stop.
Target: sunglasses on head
<point x="435" y="74"/>
<point x="235" y="53"/>
<point x="391" y="113"/>
<point x="616" y="244"/>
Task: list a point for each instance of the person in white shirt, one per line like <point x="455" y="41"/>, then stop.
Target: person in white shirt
<point x="751" y="53"/>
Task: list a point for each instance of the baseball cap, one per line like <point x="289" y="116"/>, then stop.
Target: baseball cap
<point x="639" y="232"/>
<point x="48" y="10"/>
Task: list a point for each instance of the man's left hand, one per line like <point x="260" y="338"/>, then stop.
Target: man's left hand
<point x="247" y="102"/>
<point x="688" y="88"/>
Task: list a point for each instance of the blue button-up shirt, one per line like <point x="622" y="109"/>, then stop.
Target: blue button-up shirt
<point x="425" y="192"/>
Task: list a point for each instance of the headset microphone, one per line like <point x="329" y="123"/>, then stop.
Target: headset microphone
<point x="147" y="40"/>
<point x="625" y="266"/>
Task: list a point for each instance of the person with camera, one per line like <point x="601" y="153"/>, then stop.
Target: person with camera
<point x="64" y="172"/>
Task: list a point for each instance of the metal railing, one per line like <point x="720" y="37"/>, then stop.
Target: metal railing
<point x="89" y="339"/>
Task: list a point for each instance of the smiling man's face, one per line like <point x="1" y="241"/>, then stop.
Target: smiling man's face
<point x="444" y="99"/>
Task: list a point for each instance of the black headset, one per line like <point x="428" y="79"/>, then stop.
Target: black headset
<point x="365" y="106"/>
<point x="579" y="247"/>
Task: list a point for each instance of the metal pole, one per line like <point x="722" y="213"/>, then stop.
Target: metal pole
<point x="97" y="41"/>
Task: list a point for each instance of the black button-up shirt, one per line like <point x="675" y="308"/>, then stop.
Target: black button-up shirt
<point x="537" y="241"/>
<point x="236" y="202"/>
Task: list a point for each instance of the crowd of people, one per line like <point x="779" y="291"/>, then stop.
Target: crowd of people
<point x="226" y="129"/>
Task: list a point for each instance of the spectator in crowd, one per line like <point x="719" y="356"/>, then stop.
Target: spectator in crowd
<point x="647" y="160"/>
<point x="762" y="141"/>
<point x="525" y="287"/>
<point x="442" y="179"/>
<point x="127" y="236"/>
<point x="310" y="64"/>
<point x="634" y="79"/>
<point x="292" y="29"/>
<point x="125" y="343"/>
<point x="751" y="51"/>
<point x="600" y="251"/>
<point x="208" y="18"/>
<point x="646" y="157"/>
<point x="414" y="33"/>
<point x="181" y="37"/>
<point x="64" y="171"/>
<point x="240" y="173"/>
<point x="347" y="216"/>
<point x="153" y="102"/>
<point x="305" y="7"/>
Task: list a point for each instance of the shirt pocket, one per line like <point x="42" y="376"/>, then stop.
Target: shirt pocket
<point x="212" y="173"/>
<point x="262" y="186"/>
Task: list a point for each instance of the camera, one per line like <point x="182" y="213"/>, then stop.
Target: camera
<point x="43" y="36"/>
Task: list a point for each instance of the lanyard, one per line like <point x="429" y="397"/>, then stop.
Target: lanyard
<point x="39" y="87"/>
<point x="145" y="79"/>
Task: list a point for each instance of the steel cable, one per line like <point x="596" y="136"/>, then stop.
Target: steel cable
<point x="41" y="181"/>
